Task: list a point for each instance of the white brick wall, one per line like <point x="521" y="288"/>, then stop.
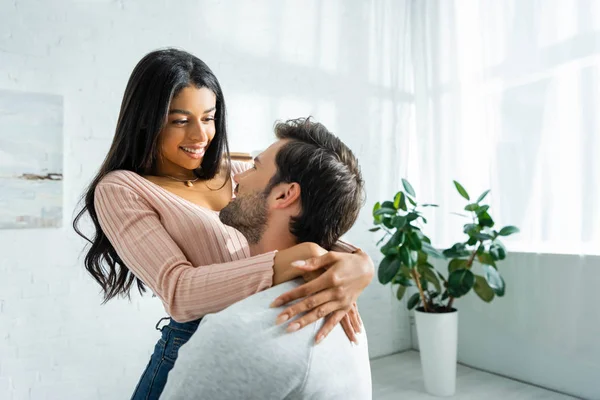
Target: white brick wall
<point x="274" y="59"/>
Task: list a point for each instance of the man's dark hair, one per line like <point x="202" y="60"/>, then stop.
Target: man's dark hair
<point x="330" y="180"/>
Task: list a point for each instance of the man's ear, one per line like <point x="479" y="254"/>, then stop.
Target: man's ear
<point x="286" y="195"/>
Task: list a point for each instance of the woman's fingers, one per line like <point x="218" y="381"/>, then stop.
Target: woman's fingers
<point x="306" y="305"/>
<point x="314" y="315"/>
<point x="316" y="263"/>
<point x="348" y="328"/>
<point x="312" y="275"/>
<point x="359" y="317"/>
<point x="354" y="319"/>
<point x="314" y="286"/>
<point x="330" y="323"/>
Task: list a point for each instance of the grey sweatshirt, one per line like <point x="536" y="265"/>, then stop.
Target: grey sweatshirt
<point x="239" y="353"/>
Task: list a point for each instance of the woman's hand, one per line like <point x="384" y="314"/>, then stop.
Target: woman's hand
<point x="334" y="292"/>
<point x="351" y="322"/>
<point x="283" y="270"/>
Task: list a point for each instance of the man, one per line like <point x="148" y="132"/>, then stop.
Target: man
<point x="306" y="187"/>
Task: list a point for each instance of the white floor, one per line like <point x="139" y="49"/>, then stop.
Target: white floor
<point x="398" y="377"/>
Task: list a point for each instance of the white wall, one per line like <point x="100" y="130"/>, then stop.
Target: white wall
<point x="545" y="329"/>
<point x="338" y="61"/>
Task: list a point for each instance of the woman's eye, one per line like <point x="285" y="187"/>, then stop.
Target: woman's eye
<point x="207" y="119"/>
<point x="179" y="121"/>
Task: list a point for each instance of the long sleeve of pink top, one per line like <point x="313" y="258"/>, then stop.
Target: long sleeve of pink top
<point x="182" y="252"/>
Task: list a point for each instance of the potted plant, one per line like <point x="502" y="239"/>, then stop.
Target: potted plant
<point x="471" y="265"/>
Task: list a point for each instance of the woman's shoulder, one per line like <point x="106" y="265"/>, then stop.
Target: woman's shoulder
<point x="121" y="186"/>
<point x="121" y="177"/>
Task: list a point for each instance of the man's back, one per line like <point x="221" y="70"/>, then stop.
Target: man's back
<point x="240" y="353"/>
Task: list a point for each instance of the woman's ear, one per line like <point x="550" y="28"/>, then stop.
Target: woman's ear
<point x="286" y="194"/>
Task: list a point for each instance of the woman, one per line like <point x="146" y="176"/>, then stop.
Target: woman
<point x="154" y="205"/>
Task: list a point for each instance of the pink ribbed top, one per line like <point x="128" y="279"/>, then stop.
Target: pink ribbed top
<point x="195" y="264"/>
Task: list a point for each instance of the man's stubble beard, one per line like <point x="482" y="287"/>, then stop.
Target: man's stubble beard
<point x="248" y="214"/>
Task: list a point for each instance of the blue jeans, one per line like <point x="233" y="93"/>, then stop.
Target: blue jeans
<point x="153" y="380"/>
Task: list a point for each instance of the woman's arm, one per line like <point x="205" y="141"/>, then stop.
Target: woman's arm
<point x="146" y="248"/>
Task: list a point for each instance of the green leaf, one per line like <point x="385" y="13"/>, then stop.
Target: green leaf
<point x="445" y="295"/>
<point x="460" y="282"/>
<point x="388" y="268"/>
<point x="423" y="283"/>
<point x="482" y="209"/>
<point x="409" y="189"/>
<point x="483" y="290"/>
<point x="494" y="280"/>
<point x="399" y="221"/>
<point x="482" y="236"/>
<point x="387" y="222"/>
<point x="411" y="216"/>
<point x="413" y="241"/>
<point x="421" y="258"/>
<point x="404" y="281"/>
<point x="497" y="250"/>
<point x="413" y="256"/>
<point x="397" y="198"/>
<point x="376" y="207"/>
<point x="402" y="202"/>
<point x="457" y="263"/>
<point x="469" y="229"/>
<point x="385" y="211"/>
<point x="391" y="247"/>
<point x="485" y="220"/>
<point x="508" y="230"/>
<point x="494" y="252"/>
<point x="487" y="259"/>
<point x="461" y="190"/>
<point x="457" y="250"/>
<point x="426" y="270"/>
<point x="400" y="292"/>
<point x="483" y="195"/>
<point x="404" y="255"/>
<point x="388" y="204"/>
<point x="429" y="205"/>
<point x="413" y="301"/>
<point x="414" y="203"/>
<point x="430" y="250"/>
<point x="375" y="229"/>
<point x="472" y="207"/>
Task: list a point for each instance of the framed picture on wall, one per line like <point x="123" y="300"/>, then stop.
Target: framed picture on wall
<point x="31" y="160"/>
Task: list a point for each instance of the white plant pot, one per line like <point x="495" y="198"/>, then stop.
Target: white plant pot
<point x="438" y="343"/>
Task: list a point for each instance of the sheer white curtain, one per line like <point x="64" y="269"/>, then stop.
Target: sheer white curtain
<point x="507" y="97"/>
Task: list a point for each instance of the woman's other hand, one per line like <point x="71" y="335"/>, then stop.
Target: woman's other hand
<point x="283" y="270"/>
<point x="351" y="322"/>
<point x="334" y="292"/>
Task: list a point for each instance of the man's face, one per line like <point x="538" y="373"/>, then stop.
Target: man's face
<point x="249" y="211"/>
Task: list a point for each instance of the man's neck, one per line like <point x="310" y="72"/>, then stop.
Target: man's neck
<point x="271" y="240"/>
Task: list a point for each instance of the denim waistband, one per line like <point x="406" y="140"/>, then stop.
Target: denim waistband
<point x="189" y="327"/>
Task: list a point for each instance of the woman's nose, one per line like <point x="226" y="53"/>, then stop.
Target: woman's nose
<point x="200" y="133"/>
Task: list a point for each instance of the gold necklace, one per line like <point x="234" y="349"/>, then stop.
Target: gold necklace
<point x="188" y="182"/>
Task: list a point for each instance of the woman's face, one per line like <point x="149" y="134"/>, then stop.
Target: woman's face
<point x="188" y="132"/>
